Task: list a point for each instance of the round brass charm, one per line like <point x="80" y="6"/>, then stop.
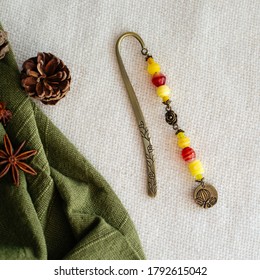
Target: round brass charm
<point x="205" y="195"/>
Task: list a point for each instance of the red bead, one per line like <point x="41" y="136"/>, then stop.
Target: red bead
<point x="188" y="154"/>
<point x="158" y="79"/>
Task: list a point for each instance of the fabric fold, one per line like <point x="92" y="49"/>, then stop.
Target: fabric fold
<point x="68" y="210"/>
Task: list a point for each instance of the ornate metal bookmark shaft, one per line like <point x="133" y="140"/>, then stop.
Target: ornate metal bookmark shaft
<point x="205" y="195"/>
<point x="148" y="148"/>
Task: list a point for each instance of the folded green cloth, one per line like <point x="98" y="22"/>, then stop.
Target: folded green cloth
<point x="66" y="211"/>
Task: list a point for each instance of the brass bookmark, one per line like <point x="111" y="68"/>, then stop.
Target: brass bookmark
<point x="148" y="148"/>
<point x="205" y="195"/>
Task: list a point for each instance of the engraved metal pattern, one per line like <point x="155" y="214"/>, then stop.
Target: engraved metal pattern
<point x="151" y="178"/>
<point x="152" y="187"/>
<point x="171" y="117"/>
<point x="205" y="195"/>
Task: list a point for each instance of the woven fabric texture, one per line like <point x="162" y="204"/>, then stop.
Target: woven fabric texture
<point x="67" y="211"/>
<point x="209" y="51"/>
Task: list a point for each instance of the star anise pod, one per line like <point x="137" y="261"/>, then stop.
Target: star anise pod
<point x="5" y="114"/>
<point x="14" y="160"/>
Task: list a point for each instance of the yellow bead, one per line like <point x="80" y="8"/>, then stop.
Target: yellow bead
<point x="181" y="135"/>
<point x="164" y="92"/>
<point x="196" y="168"/>
<point x="199" y="177"/>
<point x="183" y="142"/>
<point x="166" y="98"/>
<point x="153" y="67"/>
<point x="150" y="60"/>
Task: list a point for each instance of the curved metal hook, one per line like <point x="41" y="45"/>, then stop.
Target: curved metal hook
<point x="148" y="148"/>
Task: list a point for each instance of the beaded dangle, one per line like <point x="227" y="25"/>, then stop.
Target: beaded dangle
<point x="205" y="195"/>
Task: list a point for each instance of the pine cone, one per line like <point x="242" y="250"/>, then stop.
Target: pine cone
<point x="4" y="48"/>
<point x="46" y="78"/>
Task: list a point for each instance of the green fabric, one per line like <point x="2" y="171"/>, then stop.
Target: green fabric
<point x="67" y="211"/>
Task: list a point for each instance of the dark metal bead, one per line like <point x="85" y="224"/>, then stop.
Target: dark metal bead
<point x="178" y="131"/>
<point x="171" y="117"/>
<point x="147" y="56"/>
<point x="168" y="102"/>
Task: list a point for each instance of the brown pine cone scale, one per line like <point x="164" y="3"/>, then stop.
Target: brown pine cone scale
<point x="46" y="78"/>
<point x="4" y="47"/>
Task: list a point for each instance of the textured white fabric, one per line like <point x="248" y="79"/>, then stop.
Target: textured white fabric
<point x="209" y="51"/>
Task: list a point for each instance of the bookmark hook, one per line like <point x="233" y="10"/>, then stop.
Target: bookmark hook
<point x="148" y="148"/>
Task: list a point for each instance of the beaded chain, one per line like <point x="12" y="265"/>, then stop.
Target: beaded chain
<point x="204" y="195"/>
